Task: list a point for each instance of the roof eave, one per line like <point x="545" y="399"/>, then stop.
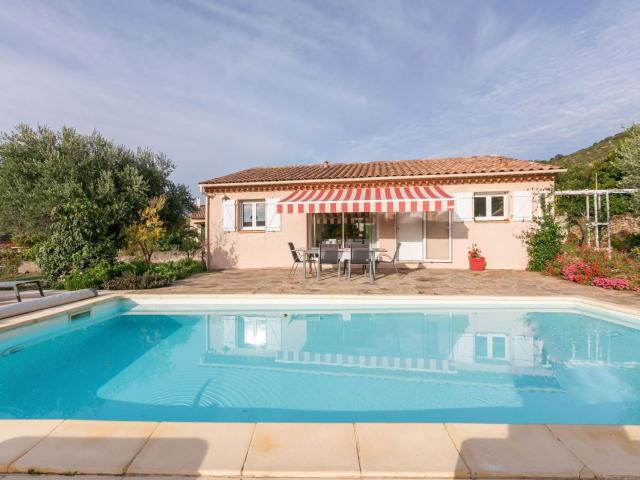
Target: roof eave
<point x="404" y="177"/>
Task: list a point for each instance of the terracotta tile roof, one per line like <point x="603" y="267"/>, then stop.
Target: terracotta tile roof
<point x="198" y="214"/>
<point x="394" y="168"/>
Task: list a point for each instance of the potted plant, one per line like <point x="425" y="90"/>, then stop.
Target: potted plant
<point x="476" y="260"/>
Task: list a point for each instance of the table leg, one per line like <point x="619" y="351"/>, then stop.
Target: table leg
<point x="304" y="264"/>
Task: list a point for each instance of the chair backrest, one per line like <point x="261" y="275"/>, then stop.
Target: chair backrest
<point x="397" y="252"/>
<point x="329" y="253"/>
<point x="360" y="254"/>
<point x="294" y="253"/>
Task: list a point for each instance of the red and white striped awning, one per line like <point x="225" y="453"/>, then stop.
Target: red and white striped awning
<point x="380" y="200"/>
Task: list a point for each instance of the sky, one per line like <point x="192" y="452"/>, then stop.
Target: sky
<point x="221" y="86"/>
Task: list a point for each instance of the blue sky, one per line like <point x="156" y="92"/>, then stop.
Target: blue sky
<point x="221" y="86"/>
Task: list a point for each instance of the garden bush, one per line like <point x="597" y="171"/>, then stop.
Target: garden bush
<point x="77" y="242"/>
<point x="122" y="275"/>
<point x="544" y="240"/>
<point x="177" y="270"/>
<point x="95" y="277"/>
<point x="133" y="281"/>
<point x="9" y="262"/>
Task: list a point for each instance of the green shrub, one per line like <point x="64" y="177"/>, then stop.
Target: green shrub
<point x="544" y="239"/>
<point x="77" y="242"/>
<point x="130" y="275"/>
<point x="10" y="261"/>
<point x="177" y="270"/>
<point x="132" y="281"/>
<point x="95" y="277"/>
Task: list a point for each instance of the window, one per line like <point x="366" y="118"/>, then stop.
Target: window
<point x="344" y="228"/>
<point x="490" y="206"/>
<point x="253" y="215"/>
<point x="491" y="346"/>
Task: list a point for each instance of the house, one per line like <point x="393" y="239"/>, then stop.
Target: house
<point x="197" y="220"/>
<point x="435" y="208"/>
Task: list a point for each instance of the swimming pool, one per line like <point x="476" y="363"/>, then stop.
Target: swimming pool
<point x="280" y="361"/>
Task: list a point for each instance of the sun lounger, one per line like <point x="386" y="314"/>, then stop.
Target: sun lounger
<point x="13" y="285"/>
<point x="37" y="304"/>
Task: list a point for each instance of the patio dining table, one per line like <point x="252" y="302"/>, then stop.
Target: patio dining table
<point x="311" y="252"/>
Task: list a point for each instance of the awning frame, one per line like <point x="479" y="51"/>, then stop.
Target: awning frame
<point x="429" y="198"/>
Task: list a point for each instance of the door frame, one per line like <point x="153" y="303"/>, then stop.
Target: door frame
<point x="450" y="229"/>
<point x="424" y="237"/>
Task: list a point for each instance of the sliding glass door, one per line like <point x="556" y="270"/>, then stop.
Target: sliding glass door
<point x="438" y="236"/>
<point x="344" y="228"/>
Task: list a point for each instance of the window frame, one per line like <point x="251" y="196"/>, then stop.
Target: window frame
<point x="487" y="198"/>
<point x="490" y="337"/>
<point x="254" y="214"/>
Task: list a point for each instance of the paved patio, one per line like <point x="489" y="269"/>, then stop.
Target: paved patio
<point x="411" y="282"/>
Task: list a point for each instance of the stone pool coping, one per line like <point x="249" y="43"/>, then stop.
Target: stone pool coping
<point x="319" y="450"/>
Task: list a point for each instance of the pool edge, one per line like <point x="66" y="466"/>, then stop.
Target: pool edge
<point x="350" y="450"/>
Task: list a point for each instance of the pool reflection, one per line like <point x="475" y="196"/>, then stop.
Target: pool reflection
<point x="482" y="342"/>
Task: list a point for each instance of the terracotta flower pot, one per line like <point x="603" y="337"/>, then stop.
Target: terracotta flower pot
<point x="477" y="264"/>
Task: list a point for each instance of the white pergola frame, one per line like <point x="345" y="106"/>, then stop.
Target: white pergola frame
<point x="597" y="195"/>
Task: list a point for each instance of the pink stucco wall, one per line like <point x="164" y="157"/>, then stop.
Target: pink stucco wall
<point x="498" y="240"/>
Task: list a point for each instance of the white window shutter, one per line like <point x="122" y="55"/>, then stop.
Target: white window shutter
<point x="229" y="215"/>
<point x="522" y="205"/>
<point x="463" y="206"/>
<point x="274" y="219"/>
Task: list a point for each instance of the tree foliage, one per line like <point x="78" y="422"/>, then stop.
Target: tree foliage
<point x="604" y="172"/>
<point x="77" y="240"/>
<point x="71" y="196"/>
<point x="143" y="237"/>
<point x="41" y="169"/>
<point x="628" y="161"/>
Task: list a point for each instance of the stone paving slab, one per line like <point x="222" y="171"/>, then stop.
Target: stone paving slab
<point x="514" y="451"/>
<point x="17" y="437"/>
<point x="303" y="450"/>
<point x="217" y="449"/>
<point x="92" y="447"/>
<point x="412" y="450"/>
<point x="609" y="451"/>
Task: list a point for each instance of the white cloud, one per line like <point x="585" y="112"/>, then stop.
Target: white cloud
<point x="223" y="86"/>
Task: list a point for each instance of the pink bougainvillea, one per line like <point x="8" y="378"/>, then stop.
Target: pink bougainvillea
<point x="588" y="266"/>
<point x="610" y="283"/>
<point x="579" y="272"/>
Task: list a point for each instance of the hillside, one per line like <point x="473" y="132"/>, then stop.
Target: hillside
<point x="587" y="156"/>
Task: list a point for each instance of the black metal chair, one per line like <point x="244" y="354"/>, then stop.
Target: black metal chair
<point x="328" y="255"/>
<point x="297" y="259"/>
<point x="361" y="255"/>
<point x="391" y="260"/>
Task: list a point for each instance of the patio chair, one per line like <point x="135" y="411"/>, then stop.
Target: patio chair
<point x="328" y="255"/>
<point x="297" y="259"/>
<point x="391" y="260"/>
<point x="361" y="255"/>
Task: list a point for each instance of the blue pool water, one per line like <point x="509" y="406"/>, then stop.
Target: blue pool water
<point x="296" y="364"/>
